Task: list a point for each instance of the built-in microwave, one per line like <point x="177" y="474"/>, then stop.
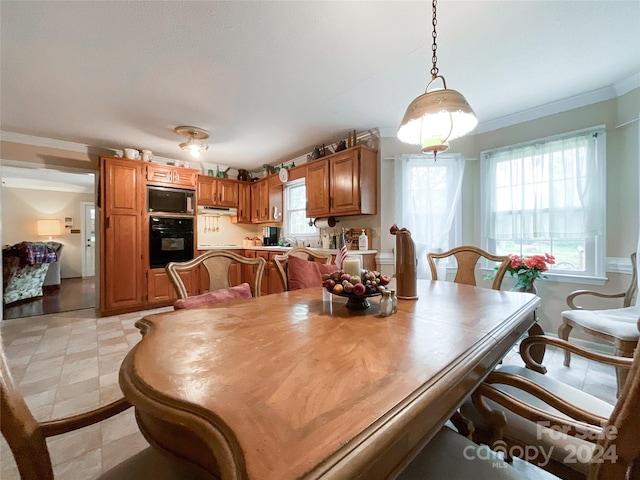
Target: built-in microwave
<point x="170" y="200"/>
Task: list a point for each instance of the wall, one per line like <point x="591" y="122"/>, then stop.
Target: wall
<point x="623" y="155"/>
<point x="22" y="208"/>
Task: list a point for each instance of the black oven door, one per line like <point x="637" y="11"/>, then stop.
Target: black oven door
<point x="170" y="240"/>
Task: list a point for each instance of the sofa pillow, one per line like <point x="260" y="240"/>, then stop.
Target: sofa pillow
<point x="211" y="298"/>
<point x="306" y="273"/>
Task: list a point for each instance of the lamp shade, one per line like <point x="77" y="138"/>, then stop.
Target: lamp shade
<point x="49" y="227"/>
<point x="436" y="117"/>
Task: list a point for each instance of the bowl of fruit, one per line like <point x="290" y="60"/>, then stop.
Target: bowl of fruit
<point x="356" y="288"/>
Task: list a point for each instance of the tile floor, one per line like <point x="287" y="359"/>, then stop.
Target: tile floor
<point x="67" y="363"/>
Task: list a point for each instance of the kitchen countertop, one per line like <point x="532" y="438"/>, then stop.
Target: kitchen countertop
<point x="332" y="251"/>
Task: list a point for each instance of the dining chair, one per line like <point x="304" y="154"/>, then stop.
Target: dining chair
<point x="26" y="438"/>
<point x="303" y="277"/>
<point x="597" y="439"/>
<point x="616" y="326"/>
<point x="516" y="406"/>
<point x="217" y="263"/>
<point x="467" y="257"/>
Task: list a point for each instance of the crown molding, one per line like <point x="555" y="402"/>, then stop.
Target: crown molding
<point x="43" y="142"/>
<point x="625" y="86"/>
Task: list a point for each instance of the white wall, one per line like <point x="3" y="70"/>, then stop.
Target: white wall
<point x="22" y="208"/>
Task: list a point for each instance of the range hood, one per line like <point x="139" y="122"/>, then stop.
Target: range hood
<point x="217" y="210"/>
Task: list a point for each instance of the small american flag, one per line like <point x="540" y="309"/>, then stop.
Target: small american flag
<point x="342" y="254"/>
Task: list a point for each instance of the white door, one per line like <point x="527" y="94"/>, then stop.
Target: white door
<point x="88" y="232"/>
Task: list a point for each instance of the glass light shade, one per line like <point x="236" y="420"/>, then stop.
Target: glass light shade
<point x="436" y="117"/>
<point x="194" y="147"/>
<point x="49" y="228"/>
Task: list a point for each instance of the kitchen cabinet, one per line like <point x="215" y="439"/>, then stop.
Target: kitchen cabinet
<point x="270" y="279"/>
<point x="244" y="202"/>
<point x="276" y="198"/>
<point x="343" y="184"/>
<point x="217" y="192"/>
<point x="123" y="236"/>
<point x="160" y="289"/>
<point x="169" y="176"/>
<point x="260" y="201"/>
<point x="264" y="286"/>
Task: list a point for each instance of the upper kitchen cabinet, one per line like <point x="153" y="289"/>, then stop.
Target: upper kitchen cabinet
<point x="343" y="184"/>
<point x="169" y="176"/>
<point x="244" y="202"/>
<point x="217" y="192"/>
<point x="260" y="201"/>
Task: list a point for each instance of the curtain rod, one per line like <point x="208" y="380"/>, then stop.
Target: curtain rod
<point x="630" y="121"/>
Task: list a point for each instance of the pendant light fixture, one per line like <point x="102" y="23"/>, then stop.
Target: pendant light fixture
<point x="436" y="116"/>
<point x="193" y="145"/>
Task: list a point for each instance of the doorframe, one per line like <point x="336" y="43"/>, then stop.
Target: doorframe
<point x="83" y="233"/>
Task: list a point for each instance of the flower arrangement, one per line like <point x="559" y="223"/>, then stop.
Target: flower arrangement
<point x="528" y="268"/>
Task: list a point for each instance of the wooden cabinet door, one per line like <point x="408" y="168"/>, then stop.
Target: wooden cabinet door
<point x="244" y="202"/>
<point x="235" y="274"/>
<point x="227" y="193"/>
<point x="206" y="190"/>
<point x="317" y="185"/>
<point x="264" y="286"/>
<point x="248" y="271"/>
<point x="161" y="174"/>
<point x="344" y="183"/>
<point x="275" y="286"/>
<point x="159" y="288"/>
<point x="255" y="203"/>
<point x="184" y="177"/>
<point x="123" y="231"/>
<point x="263" y="193"/>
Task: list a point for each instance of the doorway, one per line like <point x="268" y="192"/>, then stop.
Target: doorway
<point x="88" y="234"/>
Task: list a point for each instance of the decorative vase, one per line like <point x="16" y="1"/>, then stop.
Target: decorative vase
<point x="406" y="264"/>
<point x="518" y="287"/>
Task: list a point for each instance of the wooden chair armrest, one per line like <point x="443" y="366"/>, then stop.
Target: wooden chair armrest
<point x="527" y="343"/>
<point x="81" y="420"/>
<point x="577" y="293"/>
<point x="584" y="425"/>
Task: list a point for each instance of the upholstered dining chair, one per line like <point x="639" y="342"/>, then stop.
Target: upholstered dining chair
<point x="217" y="264"/>
<point x="616" y="326"/>
<point x="27" y="436"/>
<point x="302" y="275"/>
<point x="467" y="257"/>
<point x="611" y="450"/>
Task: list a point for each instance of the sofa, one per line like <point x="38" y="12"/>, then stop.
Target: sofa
<point x="24" y="269"/>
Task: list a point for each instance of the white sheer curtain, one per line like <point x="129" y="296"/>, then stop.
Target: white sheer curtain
<point x="547" y="190"/>
<point x="427" y="198"/>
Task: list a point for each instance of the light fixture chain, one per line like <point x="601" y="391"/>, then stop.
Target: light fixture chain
<point x="434" y="45"/>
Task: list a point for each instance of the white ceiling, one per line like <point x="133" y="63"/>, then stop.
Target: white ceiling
<point x="270" y="80"/>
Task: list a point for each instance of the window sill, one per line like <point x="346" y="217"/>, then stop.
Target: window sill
<point x="557" y="277"/>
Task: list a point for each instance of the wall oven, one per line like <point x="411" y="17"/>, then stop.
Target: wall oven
<point x="170" y="240"/>
<point x="170" y="200"/>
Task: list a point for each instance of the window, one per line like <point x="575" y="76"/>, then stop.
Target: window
<point x="296" y="223"/>
<point x="429" y="203"/>
<point x="548" y="196"/>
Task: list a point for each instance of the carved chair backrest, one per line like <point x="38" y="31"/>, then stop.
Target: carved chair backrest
<point x="280" y="262"/>
<point x="217" y="263"/>
<point x="632" y="292"/>
<point x="467" y="257"/>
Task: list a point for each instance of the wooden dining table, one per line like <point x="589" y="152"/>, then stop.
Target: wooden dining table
<point x="289" y="386"/>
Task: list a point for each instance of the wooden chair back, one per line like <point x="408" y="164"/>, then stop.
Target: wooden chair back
<point x="27" y="437"/>
<point x="467" y="257"/>
<point x="632" y="292"/>
<point x="281" y="262"/>
<point x="622" y="433"/>
<point x="217" y="263"/>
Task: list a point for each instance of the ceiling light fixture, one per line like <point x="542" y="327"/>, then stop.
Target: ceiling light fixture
<point x="193" y="144"/>
<point x="436" y="116"/>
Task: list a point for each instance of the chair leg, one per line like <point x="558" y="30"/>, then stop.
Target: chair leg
<point x="463" y="424"/>
<point x="563" y="333"/>
<point x="621" y="373"/>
